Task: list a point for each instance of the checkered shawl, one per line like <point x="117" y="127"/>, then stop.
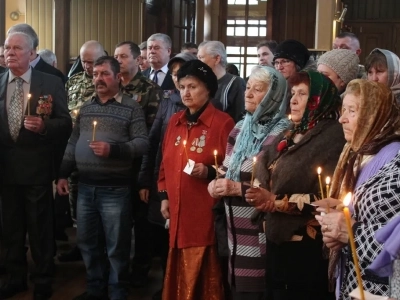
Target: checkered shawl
<point x="376" y="201"/>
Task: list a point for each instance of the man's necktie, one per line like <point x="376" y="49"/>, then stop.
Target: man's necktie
<point x="155" y="78"/>
<point x="15" y="109"/>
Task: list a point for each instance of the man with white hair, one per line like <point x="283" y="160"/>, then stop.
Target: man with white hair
<point x="30" y="127"/>
<point x="49" y="57"/>
<point x="158" y="54"/>
<point x="36" y="61"/>
<point x="2" y="61"/>
<point x="230" y="87"/>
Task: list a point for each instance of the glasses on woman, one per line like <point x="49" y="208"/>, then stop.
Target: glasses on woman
<point x="283" y="62"/>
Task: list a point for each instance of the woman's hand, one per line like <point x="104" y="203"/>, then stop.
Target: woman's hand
<point x="333" y="227"/>
<point x="226" y="187"/>
<point x="200" y="171"/>
<point x="260" y="198"/>
<point x="211" y="189"/>
<point x="165" y="209"/>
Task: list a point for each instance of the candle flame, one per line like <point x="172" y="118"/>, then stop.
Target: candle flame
<point x="319" y="170"/>
<point x="290" y="117"/>
<point x="184" y="143"/>
<point x="29" y="96"/>
<point x="347" y="199"/>
<point x="328" y="180"/>
<point x="94" y="123"/>
<point x="215" y="152"/>
<point x="254" y="159"/>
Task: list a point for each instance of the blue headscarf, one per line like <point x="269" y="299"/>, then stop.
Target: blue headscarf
<point x="268" y="118"/>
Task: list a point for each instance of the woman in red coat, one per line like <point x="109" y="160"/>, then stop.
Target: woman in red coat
<point x="192" y="269"/>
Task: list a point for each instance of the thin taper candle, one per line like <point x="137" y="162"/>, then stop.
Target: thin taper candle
<point x="29" y="104"/>
<point x="327" y="181"/>
<point x="319" y="171"/>
<point x="347" y="216"/>
<point x="187" y="156"/>
<point x="216" y="163"/>
<point x="252" y="172"/>
<point x="94" y="130"/>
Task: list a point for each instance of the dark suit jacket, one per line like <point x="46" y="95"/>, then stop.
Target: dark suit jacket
<point x="167" y="84"/>
<point x="44" y="67"/>
<point x="2" y="69"/>
<point x="31" y="160"/>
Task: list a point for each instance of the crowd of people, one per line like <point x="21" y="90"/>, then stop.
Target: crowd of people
<point x="217" y="175"/>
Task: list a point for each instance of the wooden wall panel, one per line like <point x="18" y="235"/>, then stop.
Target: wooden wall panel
<point x="373" y="9"/>
<point x="39" y="14"/>
<point x="108" y="21"/>
<point x="294" y="19"/>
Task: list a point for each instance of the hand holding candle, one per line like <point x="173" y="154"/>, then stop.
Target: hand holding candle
<point x="319" y="171"/>
<point x="347" y="216"/>
<point x="216" y="163"/>
<point x="252" y="172"/>
<point x="94" y="130"/>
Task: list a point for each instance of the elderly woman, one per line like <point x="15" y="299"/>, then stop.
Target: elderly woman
<point x="230" y="87"/>
<point x="384" y="66"/>
<point x="186" y="169"/>
<point x="368" y="167"/>
<point x="340" y="66"/>
<point x="158" y="243"/>
<point x="296" y="266"/>
<point x="265" y="102"/>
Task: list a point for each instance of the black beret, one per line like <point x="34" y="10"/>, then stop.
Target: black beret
<point x="293" y="50"/>
<point x="201" y="71"/>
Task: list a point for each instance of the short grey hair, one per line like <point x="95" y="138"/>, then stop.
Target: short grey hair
<point x="48" y="56"/>
<point x="161" y="37"/>
<point x="261" y="74"/>
<point x="28" y="38"/>
<point x="215" y="48"/>
<point x="143" y="46"/>
<point x="28" y="30"/>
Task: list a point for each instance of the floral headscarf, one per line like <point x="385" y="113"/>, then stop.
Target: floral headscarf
<point x="323" y="103"/>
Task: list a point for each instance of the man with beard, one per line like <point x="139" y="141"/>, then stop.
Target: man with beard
<point x="109" y="133"/>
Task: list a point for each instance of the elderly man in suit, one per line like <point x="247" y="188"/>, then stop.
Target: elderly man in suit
<point x="158" y="54"/>
<point x="33" y="118"/>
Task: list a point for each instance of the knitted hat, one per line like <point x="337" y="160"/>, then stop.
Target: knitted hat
<point x="181" y="57"/>
<point x="343" y="62"/>
<point x="201" y="71"/>
<point x="293" y="50"/>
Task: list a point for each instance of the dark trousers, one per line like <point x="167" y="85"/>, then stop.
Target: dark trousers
<point x="28" y="209"/>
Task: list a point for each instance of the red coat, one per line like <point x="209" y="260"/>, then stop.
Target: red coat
<point x="192" y="220"/>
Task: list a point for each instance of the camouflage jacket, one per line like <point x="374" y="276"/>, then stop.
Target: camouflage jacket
<point x="80" y="88"/>
<point x="146" y="93"/>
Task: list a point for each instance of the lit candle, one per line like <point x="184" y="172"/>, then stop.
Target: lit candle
<point x="347" y="216"/>
<point x="94" y="130"/>
<point x="328" y="182"/>
<point x="252" y="172"/>
<point x="319" y="171"/>
<point x="216" y="163"/>
<point x="29" y="104"/>
<point x="187" y="156"/>
<point x="290" y="117"/>
<point x="75" y="112"/>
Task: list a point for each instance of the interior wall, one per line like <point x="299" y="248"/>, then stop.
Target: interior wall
<point x="39" y="14"/>
<point x="107" y="21"/>
<point x="14" y="5"/>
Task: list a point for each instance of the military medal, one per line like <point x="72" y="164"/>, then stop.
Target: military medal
<point x="178" y="140"/>
<point x="202" y="142"/>
<point x="194" y="144"/>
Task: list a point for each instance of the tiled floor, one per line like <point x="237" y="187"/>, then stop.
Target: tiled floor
<point x="70" y="279"/>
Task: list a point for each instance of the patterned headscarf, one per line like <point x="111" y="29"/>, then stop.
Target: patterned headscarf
<point x="323" y="103"/>
<point x="378" y="124"/>
<point x="257" y="126"/>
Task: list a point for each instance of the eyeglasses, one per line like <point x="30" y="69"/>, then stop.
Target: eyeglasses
<point x="283" y="62"/>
